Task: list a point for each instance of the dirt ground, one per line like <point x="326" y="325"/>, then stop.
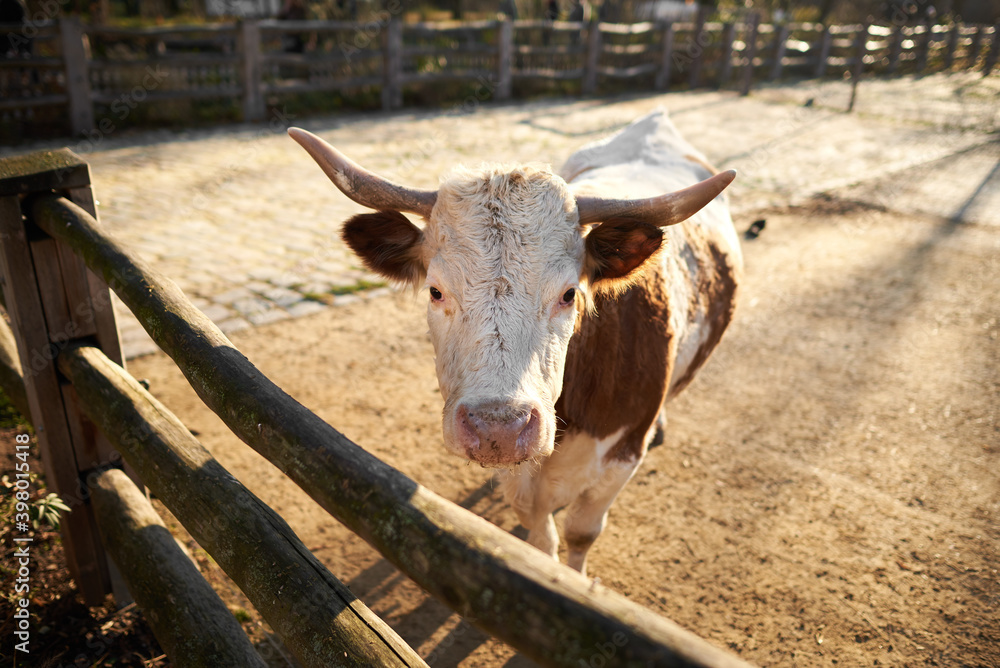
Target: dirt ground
<point x="828" y="492"/>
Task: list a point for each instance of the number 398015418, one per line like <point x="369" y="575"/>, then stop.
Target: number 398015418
<point x="22" y="467"/>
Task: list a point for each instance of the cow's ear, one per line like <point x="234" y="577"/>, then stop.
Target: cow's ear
<point x="617" y="250"/>
<point x="388" y="244"/>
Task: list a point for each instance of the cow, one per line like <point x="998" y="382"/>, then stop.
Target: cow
<point x="564" y="308"/>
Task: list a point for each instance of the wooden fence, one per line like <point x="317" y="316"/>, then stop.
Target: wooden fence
<point x="94" y="421"/>
<point x="101" y="74"/>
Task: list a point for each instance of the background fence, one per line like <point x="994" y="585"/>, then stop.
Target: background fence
<point x="95" y="76"/>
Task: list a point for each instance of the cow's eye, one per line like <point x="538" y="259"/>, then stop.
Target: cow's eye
<point x="436" y="294"/>
<point x="568" y="297"/>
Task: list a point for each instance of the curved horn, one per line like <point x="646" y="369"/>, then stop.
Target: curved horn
<point x="661" y="211"/>
<point x="359" y="184"/>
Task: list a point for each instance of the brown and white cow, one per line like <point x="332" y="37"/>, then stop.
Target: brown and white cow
<point x="564" y="310"/>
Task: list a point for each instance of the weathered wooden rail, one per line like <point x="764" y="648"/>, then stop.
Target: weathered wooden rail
<point x="544" y="609"/>
<point x="198" y="629"/>
<point x="316" y="615"/>
<point x="62" y="316"/>
<point x="100" y="75"/>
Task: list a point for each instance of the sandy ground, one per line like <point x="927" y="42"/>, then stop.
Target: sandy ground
<point x="828" y="491"/>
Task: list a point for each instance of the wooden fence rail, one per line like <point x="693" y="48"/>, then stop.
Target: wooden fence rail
<point x="104" y="73"/>
<point x="197" y="630"/>
<point x="316" y="615"/>
<point x="11" y="375"/>
<point x="544" y="609"/>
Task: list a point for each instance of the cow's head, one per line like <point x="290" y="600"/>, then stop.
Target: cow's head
<point x="509" y="258"/>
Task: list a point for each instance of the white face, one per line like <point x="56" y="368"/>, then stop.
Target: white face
<point x="504" y="255"/>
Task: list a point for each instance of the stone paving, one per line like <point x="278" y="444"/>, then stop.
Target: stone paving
<point x="246" y="224"/>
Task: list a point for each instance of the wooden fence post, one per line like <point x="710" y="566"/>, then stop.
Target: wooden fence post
<point x="825" y="41"/>
<point x="700" y="45"/>
<point x="932" y="38"/>
<point x="726" y="64"/>
<point x="52" y="299"/>
<point x="858" y="67"/>
<point x="74" y="52"/>
<point x="392" y="65"/>
<point x="666" y="56"/>
<point x="252" y="76"/>
<point x="593" y="57"/>
<point x="750" y="52"/>
<point x="779" y="51"/>
<point x="993" y="53"/>
<point x="925" y="48"/>
<point x="953" y="35"/>
<point x="895" y="49"/>
<point x="975" y="46"/>
<point x="505" y="54"/>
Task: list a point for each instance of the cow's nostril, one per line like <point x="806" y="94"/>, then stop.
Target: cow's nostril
<point x="497" y="432"/>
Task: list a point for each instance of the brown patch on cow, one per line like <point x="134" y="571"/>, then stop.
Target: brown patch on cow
<point x="618" y="365"/>
<point x="701" y="161"/>
<point x="616" y="250"/>
<point x="621" y="358"/>
<point x="388" y="244"/>
<point x="716" y="290"/>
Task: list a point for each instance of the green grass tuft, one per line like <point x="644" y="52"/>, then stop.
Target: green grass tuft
<point x="359" y="286"/>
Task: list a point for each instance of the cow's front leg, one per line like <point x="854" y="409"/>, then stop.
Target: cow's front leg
<point x="587" y="515"/>
<point x="542" y="532"/>
<point x="530" y="494"/>
<point x="544" y="536"/>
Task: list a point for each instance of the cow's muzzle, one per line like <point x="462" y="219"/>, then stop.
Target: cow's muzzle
<point x="498" y="433"/>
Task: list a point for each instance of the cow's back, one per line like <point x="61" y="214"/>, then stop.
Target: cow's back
<point x="701" y="264"/>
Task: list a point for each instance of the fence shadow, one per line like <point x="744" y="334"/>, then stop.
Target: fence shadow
<point x="992" y="178"/>
<point x="420" y="624"/>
